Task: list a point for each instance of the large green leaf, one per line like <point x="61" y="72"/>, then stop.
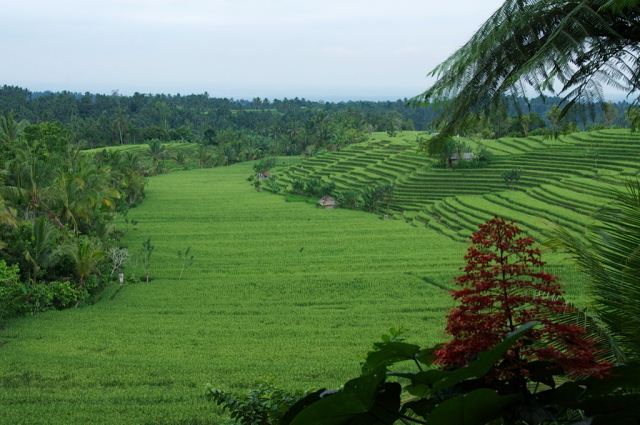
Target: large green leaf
<point x="605" y="401"/>
<point x="426" y="383"/>
<point x="423" y="383"/>
<point x="475" y="408"/>
<point x="615" y="409"/>
<point x="422" y="406"/>
<point x="366" y="400"/>
<point x="303" y="403"/>
<point x="543" y="372"/>
<point x="388" y="353"/>
<point x="623" y="376"/>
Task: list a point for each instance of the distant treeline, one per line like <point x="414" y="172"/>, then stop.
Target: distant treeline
<point x="287" y="126"/>
<point x="105" y="120"/>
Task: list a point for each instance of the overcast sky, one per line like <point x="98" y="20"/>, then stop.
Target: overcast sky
<point x="316" y="49"/>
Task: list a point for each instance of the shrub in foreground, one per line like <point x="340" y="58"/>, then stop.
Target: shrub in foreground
<point x="265" y="404"/>
<point x="505" y="286"/>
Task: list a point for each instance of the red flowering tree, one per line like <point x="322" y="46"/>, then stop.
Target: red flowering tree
<point x="504" y="286"/>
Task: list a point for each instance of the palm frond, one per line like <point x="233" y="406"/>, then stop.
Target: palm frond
<point x="609" y="254"/>
<point x="560" y="47"/>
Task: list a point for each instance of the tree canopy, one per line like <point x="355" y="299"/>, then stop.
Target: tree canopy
<point x="570" y="48"/>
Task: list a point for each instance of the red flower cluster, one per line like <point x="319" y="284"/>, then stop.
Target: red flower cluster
<point x="504" y="286"/>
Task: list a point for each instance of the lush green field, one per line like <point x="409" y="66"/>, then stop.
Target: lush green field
<point x="283" y="289"/>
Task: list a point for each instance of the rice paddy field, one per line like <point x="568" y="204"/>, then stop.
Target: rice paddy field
<point x="287" y="289"/>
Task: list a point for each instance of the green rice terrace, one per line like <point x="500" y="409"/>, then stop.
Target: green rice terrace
<point x="289" y="290"/>
<point x="562" y="180"/>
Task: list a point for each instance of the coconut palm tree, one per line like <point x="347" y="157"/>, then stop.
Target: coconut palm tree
<point x="85" y="257"/>
<point x="44" y="249"/>
<point x="181" y="159"/>
<point x="10" y="129"/>
<point x="121" y="123"/>
<point x="564" y="47"/>
<point x="29" y="180"/>
<point x="156" y="150"/>
<point x="204" y="156"/>
<point x="127" y="161"/>
<point x="81" y="191"/>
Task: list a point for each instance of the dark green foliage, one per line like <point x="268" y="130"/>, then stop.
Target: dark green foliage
<point x="272" y="184"/>
<point x="456" y="154"/>
<point x="264" y="165"/>
<point x="633" y="117"/>
<point x="313" y="187"/>
<point x="157" y="151"/>
<point x="328" y="189"/>
<point x="297" y="187"/>
<point x="18" y="298"/>
<point x="376" y="197"/>
<point x="181" y="159"/>
<point x="349" y="199"/>
<point x="44" y="248"/>
<point x="319" y="188"/>
<point x="512" y="177"/>
<point x="85" y="255"/>
<point x="56" y="294"/>
<point x="11" y="289"/>
<point x="265" y="404"/>
<point x="51" y="138"/>
<point x="483" y="156"/>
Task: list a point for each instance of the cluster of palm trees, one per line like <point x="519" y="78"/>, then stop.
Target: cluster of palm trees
<point x="56" y="209"/>
<point x="289" y="136"/>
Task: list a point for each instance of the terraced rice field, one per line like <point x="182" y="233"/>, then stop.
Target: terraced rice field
<point x="562" y="180"/>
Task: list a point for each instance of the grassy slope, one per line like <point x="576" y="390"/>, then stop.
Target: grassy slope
<point x="254" y="304"/>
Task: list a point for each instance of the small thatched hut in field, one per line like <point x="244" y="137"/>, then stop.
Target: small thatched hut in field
<point x="263" y="176"/>
<point x="328" y="202"/>
<point x="455" y="158"/>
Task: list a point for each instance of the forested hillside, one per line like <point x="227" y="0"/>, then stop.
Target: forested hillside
<point x="268" y="126"/>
